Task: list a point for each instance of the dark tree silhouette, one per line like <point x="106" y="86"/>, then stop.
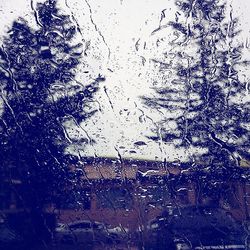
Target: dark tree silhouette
<point x="201" y="93"/>
<point x="38" y="95"/>
<point x="204" y="97"/>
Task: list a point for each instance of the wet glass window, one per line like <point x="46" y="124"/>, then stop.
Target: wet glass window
<point x="124" y="124"/>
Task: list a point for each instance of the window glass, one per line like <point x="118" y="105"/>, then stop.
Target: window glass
<point x="124" y="124"/>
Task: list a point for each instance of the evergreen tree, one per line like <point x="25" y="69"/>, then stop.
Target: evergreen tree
<point x="203" y="91"/>
<point x="38" y="95"/>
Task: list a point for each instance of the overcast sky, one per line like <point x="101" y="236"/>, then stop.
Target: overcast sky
<point x="120" y="48"/>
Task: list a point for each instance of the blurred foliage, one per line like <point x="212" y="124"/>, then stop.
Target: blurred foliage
<point x="39" y="94"/>
<point x="204" y="95"/>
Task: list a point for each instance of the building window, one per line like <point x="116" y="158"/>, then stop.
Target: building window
<point x="155" y="195"/>
<point x="76" y="199"/>
<point x="114" y="198"/>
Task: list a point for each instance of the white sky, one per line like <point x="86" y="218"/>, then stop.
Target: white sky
<point x="121" y="23"/>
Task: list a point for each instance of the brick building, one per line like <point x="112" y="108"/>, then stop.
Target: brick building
<point x="132" y="192"/>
